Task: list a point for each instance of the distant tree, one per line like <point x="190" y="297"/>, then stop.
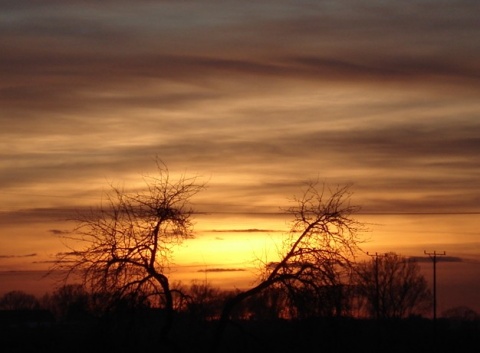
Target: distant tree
<point x="392" y="286"/>
<point x="18" y="300"/>
<point x="461" y="313"/>
<point x="269" y="304"/>
<point x="125" y="246"/>
<point x="319" y="249"/>
<point x="316" y="299"/>
<point x="68" y="302"/>
<point x="203" y="301"/>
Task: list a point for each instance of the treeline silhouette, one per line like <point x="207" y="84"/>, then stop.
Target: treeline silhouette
<point x="74" y="320"/>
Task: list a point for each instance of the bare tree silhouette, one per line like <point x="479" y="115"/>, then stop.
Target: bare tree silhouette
<point x="125" y="246"/>
<point x="392" y="286"/>
<point x="18" y="300"/>
<point x="67" y="301"/>
<point x="322" y="242"/>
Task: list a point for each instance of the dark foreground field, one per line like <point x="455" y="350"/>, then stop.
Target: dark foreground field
<point x="189" y="335"/>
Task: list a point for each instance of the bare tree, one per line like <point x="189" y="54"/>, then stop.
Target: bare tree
<point x="67" y="302"/>
<point x="269" y="304"/>
<point x="18" y="300"/>
<point x="204" y="301"/>
<point x="125" y="246"/>
<point x="393" y="286"/>
<point x="461" y="313"/>
<point x="322" y="242"/>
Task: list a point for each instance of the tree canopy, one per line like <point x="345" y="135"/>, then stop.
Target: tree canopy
<point x="124" y="246"/>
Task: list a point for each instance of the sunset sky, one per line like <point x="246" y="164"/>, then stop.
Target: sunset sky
<point x="254" y="98"/>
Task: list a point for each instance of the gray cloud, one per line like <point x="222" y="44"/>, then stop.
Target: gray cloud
<point x="35" y="215"/>
<point x="91" y="94"/>
<point x="405" y="157"/>
<point x="347" y="42"/>
<point x="70" y="76"/>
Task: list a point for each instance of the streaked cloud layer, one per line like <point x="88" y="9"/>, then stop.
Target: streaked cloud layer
<point x="254" y="97"/>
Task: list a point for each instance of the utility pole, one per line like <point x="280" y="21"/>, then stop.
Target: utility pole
<point x="377" y="285"/>
<point x="433" y="255"/>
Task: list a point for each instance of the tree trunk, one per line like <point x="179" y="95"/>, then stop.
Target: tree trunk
<point x="167" y="326"/>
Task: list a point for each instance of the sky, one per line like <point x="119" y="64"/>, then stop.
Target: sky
<point x="254" y="98"/>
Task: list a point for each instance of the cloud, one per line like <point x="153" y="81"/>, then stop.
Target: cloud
<point x="91" y="77"/>
<point x="59" y="232"/>
<point x="17" y="256"/>
<point x="56" y="262"/>
<point x="252" y="230"/>
<point x="68" y="253"/>
<point x="380" y="94"/>
<point x="32" y="215"/>
<point x="65" y="59"/>
<point x="438" y="259"/>
<point x="222" y="270"/>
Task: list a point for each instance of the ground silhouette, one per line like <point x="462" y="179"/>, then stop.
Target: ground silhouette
<point x="138" y="331"/>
